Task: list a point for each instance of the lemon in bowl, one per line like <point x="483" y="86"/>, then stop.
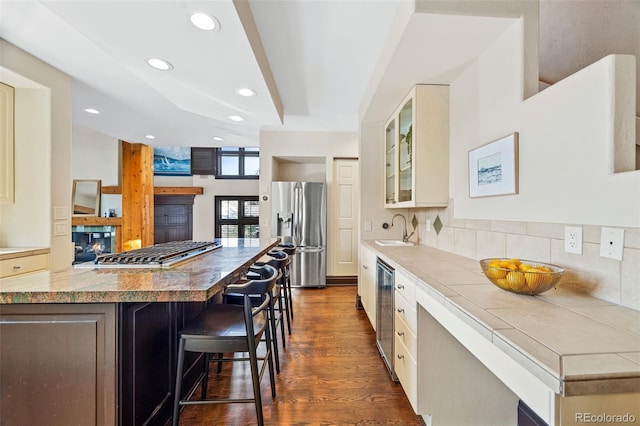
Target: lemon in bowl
<point x="521" y="276"/>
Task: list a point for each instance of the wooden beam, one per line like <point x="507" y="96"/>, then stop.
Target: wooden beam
<point x="178" y="190"/>
<point x="112" y="190"/>
<point x="137" y="196"/>
<point x="96" y="221"/>
<point x="161" y="190"/>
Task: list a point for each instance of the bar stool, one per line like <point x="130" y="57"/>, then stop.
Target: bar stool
<point x="282" y="259"/>
<point x="222" y="329"/>
<point x="277" y="309"/>
<point x="290" y="249"/>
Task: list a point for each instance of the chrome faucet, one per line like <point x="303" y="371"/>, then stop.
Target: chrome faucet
<point x="405" y="237"/>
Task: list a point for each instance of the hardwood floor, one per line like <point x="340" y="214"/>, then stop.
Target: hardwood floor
<point x="331" y="373"/>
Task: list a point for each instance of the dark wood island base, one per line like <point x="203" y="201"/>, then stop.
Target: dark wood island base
<point x="112" y="360"/>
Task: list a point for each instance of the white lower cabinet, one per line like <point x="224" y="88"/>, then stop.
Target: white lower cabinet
<point x="367" y="283"/>
<point x="23" y="265"/>
<point x="405" y="336"/>
<point x="406" y="348"/>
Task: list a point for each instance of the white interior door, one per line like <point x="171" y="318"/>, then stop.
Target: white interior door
<point x="345" y="217"/>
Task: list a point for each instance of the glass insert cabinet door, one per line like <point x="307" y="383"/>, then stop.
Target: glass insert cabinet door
<point x="390" y="161"/>
<point x="405" y="164"/>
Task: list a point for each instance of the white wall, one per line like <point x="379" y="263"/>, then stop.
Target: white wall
<point x="96" y="156"/>
<point x="204" y="205"/>
<point x="46" y="182"/>
<point x="299" y="145"/>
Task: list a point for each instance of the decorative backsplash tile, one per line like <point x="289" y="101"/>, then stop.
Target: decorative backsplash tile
<point x="437" y="225"/>
<point x="607" y="279"/>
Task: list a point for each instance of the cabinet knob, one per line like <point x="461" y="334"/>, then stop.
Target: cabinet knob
<point x="400" y="287"/>
<point x="400" y="356"/>
<point x="16" y="267"/>
<point x="400" y="310"/>
<point x="400" y="333"/>
<point x="365" y="267"/>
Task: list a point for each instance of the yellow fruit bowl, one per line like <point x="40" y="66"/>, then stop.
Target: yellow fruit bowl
<point x="521" y="276"/>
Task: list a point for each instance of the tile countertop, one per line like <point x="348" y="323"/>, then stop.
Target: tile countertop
<point x="197" y="279"/>
<point x="576" y="344"/>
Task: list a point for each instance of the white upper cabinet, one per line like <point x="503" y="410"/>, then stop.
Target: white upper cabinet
<point x="417" y="150"/>
<point x="6" y="144"/>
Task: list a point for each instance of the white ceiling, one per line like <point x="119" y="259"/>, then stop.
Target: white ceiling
<point x="320" y="56"/>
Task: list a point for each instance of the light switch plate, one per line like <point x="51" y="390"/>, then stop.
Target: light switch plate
<point x="612" y="243"/>
<point x="60" y="213"/>
<point x="367" y="226"/>
<point x="61" y="229"/>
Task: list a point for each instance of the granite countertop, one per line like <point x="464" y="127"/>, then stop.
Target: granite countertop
<point x="197" y="279"/>
<point x="574" y="343"/>
<point x="14" y="252"/>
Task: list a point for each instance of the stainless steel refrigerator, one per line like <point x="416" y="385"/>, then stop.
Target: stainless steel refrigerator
<point x="299" y="216"/>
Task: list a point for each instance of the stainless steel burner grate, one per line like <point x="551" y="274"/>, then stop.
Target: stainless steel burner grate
<point x="157" y="255"/>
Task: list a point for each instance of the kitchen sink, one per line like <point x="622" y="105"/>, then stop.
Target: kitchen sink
<point x="393" y="243"/>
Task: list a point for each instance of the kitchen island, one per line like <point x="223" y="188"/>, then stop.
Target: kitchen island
<point x="98" y="346"/>
<point x="479" y="350"/>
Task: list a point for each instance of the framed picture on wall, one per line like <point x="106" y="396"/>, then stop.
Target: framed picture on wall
<point x="493" y="168"/>
<point x="172" y="161"/>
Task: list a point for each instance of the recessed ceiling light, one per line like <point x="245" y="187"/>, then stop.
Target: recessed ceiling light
<point x="245" y="91"/>
<point x="217" y="138"/>
<point x="92" y="111"/>
<point x="204" y="22"/>
<point x="160" y="64"/>
<point x="236" y="118"/>
<point x="149" y="136"/>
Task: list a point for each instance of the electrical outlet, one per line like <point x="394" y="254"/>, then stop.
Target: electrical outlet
<point x="612" y="243"/>
<point x="573" y="239"/>
<point x="367" y="226"/>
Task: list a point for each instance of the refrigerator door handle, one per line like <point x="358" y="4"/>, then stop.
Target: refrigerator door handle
<point x="297" y="212"/>
<point x="302" y="249"/>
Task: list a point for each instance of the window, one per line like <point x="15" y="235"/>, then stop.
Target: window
<point x="237" y="217"/>
<point x="226" y="162"/>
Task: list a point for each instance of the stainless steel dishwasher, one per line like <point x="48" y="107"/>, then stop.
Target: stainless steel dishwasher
<point x="384" y="314"/>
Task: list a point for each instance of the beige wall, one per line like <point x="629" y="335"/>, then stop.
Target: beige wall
<point x="311" y="155"/>
<point x="570" y="137"/>
<point x="204" y="205"/>
<point x="573" y="135"/>
<point x="43" y="155"/>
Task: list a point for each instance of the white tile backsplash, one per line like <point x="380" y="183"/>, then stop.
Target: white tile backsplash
<point x="527" y="247"/>
<point x="607" y="279"/>
<point x="490" y="244"/>
<point x="465" y="242"/>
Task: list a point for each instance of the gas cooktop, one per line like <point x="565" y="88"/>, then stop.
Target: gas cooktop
<point x="164" y="255"/>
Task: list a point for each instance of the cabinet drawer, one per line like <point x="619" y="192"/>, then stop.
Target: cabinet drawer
<point x="407" y="372"/>
<point x="406" y="336"/>
<point x="405" y="286"/>
<point x="407" y="311"/>
<point x="23" y="265"/>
